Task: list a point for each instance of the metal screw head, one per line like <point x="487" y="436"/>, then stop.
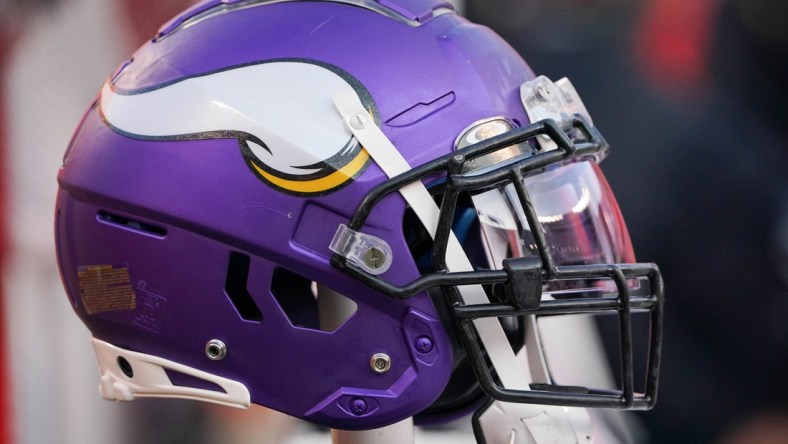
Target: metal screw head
<point x="358" y="406"/>
<point x="358" y="121"/>
<point x="423" y="344"/>
<point x="542" y="93"/>
<point x="380" y="363"/>
<point x="374" y="258"/>
<point x="215" y="350"/>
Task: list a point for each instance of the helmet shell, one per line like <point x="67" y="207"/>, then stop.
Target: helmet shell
<point x="165" y="216"/>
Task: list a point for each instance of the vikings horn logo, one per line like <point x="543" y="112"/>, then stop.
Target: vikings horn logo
<point x="281" y="112"/>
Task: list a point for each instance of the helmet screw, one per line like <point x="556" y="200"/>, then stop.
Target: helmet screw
<point x="542" y="93"/>
<point x="358" y="406"/>
<point x="358" y="121"/>
<point x="215" y="350"/>
<point x="374" y="258"/>
<point x="423" y="344"/>
<point x="380" y="363"/>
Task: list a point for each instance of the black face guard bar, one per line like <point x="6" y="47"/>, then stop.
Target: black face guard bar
<point x="522" y="277"/>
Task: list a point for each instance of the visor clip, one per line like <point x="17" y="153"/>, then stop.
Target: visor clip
<point x="372" y="254"/>
<point x="523" y="289"/>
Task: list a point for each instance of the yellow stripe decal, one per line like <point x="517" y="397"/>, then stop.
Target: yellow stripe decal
<point x="333" y="180"/>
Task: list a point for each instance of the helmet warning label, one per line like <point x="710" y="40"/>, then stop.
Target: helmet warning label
<point x="106" y="288"/>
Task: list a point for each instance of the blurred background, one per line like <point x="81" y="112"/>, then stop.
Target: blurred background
<point x="690" y="94"/>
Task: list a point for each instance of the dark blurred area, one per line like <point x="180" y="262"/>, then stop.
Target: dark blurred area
<point x="692" y="97"/>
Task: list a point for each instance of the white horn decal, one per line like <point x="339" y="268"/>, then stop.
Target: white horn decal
<point x="281" y="113"/>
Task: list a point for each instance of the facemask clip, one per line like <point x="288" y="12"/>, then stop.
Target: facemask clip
<point x="524" y="286"/>
<point x="367" y="252"/>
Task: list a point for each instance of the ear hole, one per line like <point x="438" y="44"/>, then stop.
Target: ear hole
<point x="308" y="304"/>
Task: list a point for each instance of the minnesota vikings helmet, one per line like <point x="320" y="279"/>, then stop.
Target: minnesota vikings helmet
<point x="350" y="211"/>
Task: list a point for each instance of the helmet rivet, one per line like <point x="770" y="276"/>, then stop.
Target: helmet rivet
<point x="358" y="121"/>
<point x="423" y="344"/>
<point x="542" y="93"/>
<point x="215" y="350"/>
<point x="374" y="258"/>
<point x="358" y="406"/>
<point x="380" y="363"/>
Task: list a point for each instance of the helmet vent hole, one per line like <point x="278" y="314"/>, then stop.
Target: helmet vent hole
<point x="236" y="290"/>
<point x="308" y="304"/>
<point x="183" y="380"/>
<point x="125" y="367"/>
<point x="130" y="224"/>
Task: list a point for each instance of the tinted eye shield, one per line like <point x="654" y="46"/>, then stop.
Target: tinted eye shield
<point x="523" y="277"/>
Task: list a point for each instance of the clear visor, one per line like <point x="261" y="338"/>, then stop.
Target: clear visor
<point x="576" y="209"/>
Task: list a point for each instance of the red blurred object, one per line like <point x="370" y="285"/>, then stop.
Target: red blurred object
<point x="142" y="19"/>
<point x="7" y="38"/>
<point x="672" y="45"/>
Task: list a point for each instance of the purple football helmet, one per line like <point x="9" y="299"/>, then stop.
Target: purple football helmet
<point x="340" y="210"/>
